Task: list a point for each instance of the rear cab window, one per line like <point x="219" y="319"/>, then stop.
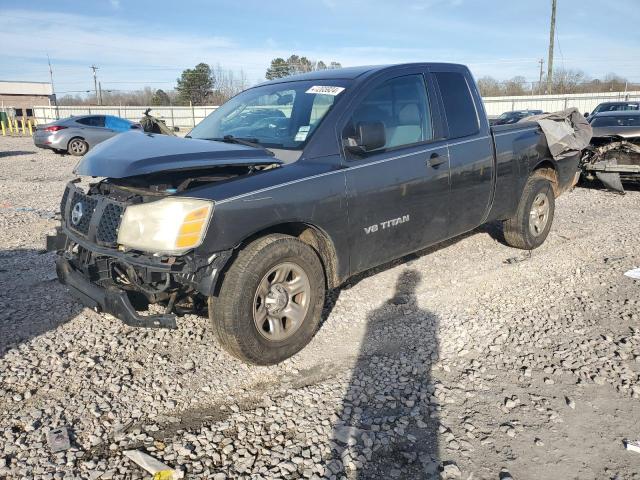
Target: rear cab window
<point x="459" y="107"/>
<point x="402" y="105"/>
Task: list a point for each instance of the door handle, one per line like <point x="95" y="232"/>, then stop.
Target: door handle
<point x="435" y="160"/>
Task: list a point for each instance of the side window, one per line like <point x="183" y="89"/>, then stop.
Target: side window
<point x="402" y="106"/>
<point x="458" y="104"/>
<point x="95" y="121"/>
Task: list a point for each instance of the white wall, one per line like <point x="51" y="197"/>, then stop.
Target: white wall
<point x="585" y="102"/>
<point x="186" y="117"/>
<point x="182" y="117"/>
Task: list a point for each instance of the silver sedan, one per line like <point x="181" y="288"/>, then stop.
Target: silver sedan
<point x="76" y="135"/>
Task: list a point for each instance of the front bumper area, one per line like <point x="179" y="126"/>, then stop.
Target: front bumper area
<point x="78" y="260"/>
<point x="110" y="300"/>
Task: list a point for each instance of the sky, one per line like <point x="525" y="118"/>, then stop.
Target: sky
<point x="137" y="43"/>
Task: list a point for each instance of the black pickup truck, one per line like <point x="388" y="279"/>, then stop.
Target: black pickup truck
<point x="290" y="188"/>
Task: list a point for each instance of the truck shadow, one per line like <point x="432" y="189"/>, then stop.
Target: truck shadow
<point x="388" y="424"/>
<point x="32" y="302"/>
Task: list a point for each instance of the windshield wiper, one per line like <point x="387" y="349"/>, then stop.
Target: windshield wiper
<point x="249" y="142"/>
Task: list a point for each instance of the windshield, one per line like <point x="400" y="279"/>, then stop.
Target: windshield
<point x="617" y="121"/>
<point x="282" y="115"/>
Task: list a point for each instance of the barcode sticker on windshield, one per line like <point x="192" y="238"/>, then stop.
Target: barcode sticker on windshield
<point x="303" y="131"/>
<point x="325" y="90"/>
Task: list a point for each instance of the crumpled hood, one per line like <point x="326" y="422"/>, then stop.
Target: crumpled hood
<point x="130" y="154"/>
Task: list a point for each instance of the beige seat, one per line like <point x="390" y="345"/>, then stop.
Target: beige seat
<point x="408" y="128"/>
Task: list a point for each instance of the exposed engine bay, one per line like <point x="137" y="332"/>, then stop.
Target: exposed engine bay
<point x="91" y="219"/>
<point x="160" y="184"/>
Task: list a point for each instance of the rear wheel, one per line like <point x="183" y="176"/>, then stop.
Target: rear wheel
<point x="77" y="147"/>
<point x="270" y="301"/>
<point x="530" y="225"/>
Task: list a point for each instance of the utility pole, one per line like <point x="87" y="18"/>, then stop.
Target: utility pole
<point x="541" y="62"/>
<point x="99" y="93"/>
<point x="53" y="90"/>
<point x="95" y="80"/>
<point x="552" y="33"/>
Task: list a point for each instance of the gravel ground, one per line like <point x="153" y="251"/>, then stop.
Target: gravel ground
<point x="469" y="360"/>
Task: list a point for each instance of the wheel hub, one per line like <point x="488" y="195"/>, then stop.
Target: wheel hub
<point x="539" y="214"/>
<point x="281" y="301"/>
<point x="277" y="298"/>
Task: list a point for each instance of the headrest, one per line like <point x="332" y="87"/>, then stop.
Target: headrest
<point x="409" y="115"/>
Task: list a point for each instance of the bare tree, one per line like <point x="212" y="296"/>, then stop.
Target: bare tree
<point x="489" y="87"/>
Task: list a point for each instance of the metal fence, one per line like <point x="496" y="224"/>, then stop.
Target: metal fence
<point x="181" y="117"/>
<point x="585" y="102"/>
<point x="188" y="117"/>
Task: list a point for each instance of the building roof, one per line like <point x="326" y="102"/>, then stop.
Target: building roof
<point x="25" y="88"/>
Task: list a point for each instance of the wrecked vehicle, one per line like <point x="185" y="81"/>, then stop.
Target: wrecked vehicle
<point x="289" y="189"/>
<point x="614" y="153"/>
<point x="514" y="116"/>
<point x="151" y="124"/>
<point x="613" y="107"/>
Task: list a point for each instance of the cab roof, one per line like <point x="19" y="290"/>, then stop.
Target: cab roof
<point x="351" y="73"/>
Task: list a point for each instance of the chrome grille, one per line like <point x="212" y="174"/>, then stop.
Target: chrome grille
<point x="88" y="208"/>
<point x="109" y="223"/>
<point x="63" y="202"/>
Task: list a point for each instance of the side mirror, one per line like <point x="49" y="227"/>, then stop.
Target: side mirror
<point x="586" y="114"/>
<point x="368" y="136"/>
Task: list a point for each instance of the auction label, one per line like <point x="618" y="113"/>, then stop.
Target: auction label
<point x="325" y="90"/>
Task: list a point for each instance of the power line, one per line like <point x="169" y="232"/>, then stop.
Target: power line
<point x="551" y="38"/>
<point x="95" y="83"/>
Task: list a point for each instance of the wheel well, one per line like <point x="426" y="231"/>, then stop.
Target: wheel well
<point x="547" y="169"/>
<point x="312" y="236"/>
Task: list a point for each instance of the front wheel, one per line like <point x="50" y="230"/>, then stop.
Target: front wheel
<point x="270" y="302"/>
<point x="530" y="225"/>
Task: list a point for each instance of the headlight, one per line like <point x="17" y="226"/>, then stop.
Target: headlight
<point x="168" y="226"/>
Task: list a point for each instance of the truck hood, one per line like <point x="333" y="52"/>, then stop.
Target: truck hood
<point x="130" y="154"/>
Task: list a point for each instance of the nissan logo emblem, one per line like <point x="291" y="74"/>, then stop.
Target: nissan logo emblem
<point x="76" y="213"/>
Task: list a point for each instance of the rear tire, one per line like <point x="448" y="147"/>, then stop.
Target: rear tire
<point x="270" y="302"/>
<point x="530" y="225"/>
<point x="77" y="147"/>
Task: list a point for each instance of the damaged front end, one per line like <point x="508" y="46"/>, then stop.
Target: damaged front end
<point x="134" y="239"/>
<point x="107" y="277"/>
<point x="612" y="158"/>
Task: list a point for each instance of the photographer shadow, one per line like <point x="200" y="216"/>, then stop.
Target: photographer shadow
<point x="388" y="423"/>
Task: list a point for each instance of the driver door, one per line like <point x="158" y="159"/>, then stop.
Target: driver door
<point x="397" y="194"/>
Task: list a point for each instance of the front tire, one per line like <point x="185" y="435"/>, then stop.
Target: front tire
<point x="77" y="147"/>
<point x="270" y="302"/>
<point x="529" y="227"/>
